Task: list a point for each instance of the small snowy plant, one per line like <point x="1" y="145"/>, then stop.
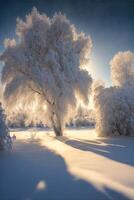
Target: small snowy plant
<point x="5" y="139"/>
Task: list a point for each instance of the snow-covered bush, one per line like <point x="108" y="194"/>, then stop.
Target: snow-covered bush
<point x="114" y="106"/>
<point x="22" y="119"/>
<point x="84" y="117"/>
<point x="5" y="139"/>
<point x="83" y="122"/>
<point x="47" y="67"/>
<point x="16" y="119"/>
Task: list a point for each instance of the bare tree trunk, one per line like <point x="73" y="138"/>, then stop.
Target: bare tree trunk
<point x="57" y="126"/>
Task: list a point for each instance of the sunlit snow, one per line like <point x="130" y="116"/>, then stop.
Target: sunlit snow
<point x="85" y="165"/>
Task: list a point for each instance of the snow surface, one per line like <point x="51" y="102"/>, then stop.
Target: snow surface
<point x="78" y="166"/>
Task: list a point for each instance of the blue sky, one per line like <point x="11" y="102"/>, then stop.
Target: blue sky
<point x="110" y="23"/>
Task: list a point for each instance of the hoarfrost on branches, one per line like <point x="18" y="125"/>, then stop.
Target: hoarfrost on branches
<point x="46" y="67"/>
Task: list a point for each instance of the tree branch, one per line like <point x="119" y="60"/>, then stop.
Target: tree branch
<point x="35" y="90"/>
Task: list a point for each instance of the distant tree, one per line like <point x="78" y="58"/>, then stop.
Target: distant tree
<point x="114" y="106"/>
<point x="5" y="139"/>
<point x="122" y="68"/>
<point x="47" y="65"/>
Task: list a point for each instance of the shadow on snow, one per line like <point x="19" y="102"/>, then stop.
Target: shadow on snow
<point x="115" y="148"/>
<point x="21" y="171"/>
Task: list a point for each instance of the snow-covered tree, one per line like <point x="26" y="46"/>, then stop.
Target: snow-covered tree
<point x="47" y="65"/>
<point x="114" y="106"/>
<point x="121" y="68"/>
<point x="5" y="139"/>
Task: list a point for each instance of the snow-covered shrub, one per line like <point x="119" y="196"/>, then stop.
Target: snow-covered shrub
<point x="114" y="106"/>
<point x="84" y="117"/>
<point x="46" y="66"/>
<point x="15" y="120"/>
<point x="115" y="111"/>
<point x="20" y="118"/>
<point x="83" y="122"/>
<point x="5" y="139"/>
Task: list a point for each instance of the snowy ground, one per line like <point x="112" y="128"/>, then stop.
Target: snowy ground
<point x="79" y="166"/>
